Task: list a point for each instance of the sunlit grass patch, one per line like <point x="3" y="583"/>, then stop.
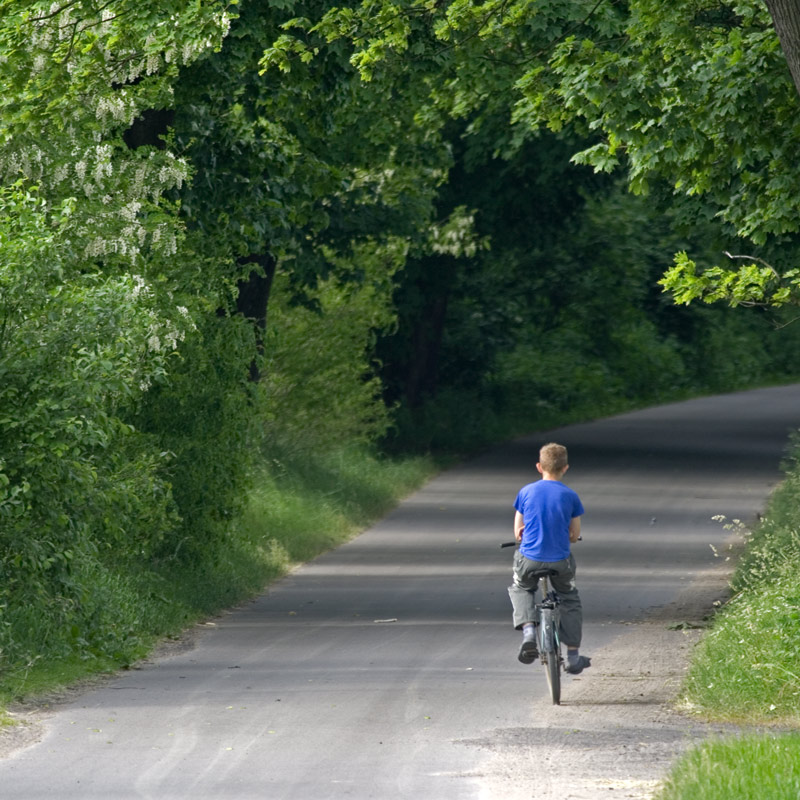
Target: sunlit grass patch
<point x="302" y="507"/>
<point x="755" y="766"/>
<point x="747" y="668"/>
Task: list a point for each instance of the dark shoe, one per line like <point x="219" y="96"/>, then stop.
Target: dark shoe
<point x="528" y="652"/>
<point x="577" y="665"/>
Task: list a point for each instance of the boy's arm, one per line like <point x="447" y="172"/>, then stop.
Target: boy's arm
<point x="519" y="526"/>
<point x="574" y="529"/>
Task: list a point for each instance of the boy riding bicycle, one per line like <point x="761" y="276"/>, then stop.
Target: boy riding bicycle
<point x="547" y="521"/>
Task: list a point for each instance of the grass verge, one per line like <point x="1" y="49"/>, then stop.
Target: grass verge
<point x="762" y="766"/>
<point x="747" y="668"/>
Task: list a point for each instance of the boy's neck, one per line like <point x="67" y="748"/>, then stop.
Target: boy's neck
<point x="552" y="476"/>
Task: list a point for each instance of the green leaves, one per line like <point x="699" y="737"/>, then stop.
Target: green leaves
<point x="698" y="97"/>
<point x="749" y="285"/>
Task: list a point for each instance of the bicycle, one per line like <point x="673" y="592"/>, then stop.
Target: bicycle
<point x="547" y="627"/>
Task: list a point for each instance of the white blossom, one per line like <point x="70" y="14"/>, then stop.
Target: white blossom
<point x="140" y="287"/>
<point x="65" y="24"/>
<point x="115" y="107"/>
<point x="95" y="248"/>
<point x="129" y="211"/>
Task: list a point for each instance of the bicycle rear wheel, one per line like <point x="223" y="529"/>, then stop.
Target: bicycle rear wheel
<point x="550" y="655"/>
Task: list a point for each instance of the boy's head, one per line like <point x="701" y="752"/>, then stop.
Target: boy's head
<point x="553" y="459"/>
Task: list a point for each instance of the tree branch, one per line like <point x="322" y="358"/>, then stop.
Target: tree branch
<point x="477" y="31"/>
<point x="755" y="258"/>
<point x="55" y="13"/>
<point x="567" y="32"/>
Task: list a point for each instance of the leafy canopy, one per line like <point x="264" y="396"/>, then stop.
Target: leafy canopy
<point x="695" y="94"/>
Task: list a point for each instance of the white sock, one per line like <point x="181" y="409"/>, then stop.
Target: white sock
<point x="528" y="631"/>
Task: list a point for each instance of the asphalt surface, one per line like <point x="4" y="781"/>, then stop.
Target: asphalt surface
<point x="387" y="668"/>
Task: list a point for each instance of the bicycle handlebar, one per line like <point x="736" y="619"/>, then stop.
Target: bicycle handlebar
<point x="514" y="544"/>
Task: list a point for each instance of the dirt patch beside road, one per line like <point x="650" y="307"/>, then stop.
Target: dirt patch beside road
<point x="617" y="731"/>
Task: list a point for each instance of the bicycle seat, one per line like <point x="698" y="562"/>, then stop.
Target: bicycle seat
<point x="543" y="573"/>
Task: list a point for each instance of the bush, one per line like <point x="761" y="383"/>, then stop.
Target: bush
<point x="77" y="481"/>
<point x="320" y="390"/>
<point x="206" y="418"/>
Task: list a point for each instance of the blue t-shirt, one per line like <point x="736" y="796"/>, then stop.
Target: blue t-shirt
<point x="547" y="508"/>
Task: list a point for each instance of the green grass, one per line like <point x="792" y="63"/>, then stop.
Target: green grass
<point x="754" y="766"/>
<point x="303" y="507"/>
<point x="747" y="668"/>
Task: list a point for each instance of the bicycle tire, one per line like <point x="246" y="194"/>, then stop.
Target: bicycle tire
<point x="554" y="677"/>
<point x="550" y="656"/>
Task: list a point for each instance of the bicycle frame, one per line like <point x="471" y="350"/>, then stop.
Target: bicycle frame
<point x="549" y="640"/>
<point x="549" y="617"/>
<point x="548" y="637"/>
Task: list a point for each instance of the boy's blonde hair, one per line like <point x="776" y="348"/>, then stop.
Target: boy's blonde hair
<point x="553" y="458"/>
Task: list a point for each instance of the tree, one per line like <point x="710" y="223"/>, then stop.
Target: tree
<point x="294" y="168"/>
<point x="669" y="92"/>
<point x="76" y="75"/>
<point x="99" y="292"/>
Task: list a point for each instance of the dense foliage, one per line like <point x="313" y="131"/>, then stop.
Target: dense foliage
<point x="144" y="210"/>
<point x="98" y="296"/>
<point x="696" y="94"/>
<point x="558" y="313"/>
<point x="224" y="254"/>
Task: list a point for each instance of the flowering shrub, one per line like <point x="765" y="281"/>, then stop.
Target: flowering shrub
<point x="98" y="295"/>
<point x="77" y="349"/>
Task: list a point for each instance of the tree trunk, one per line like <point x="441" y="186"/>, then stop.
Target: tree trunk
<point x="423" y="371"/>
<point x="786" y="18"/>
<point x="252" y="300"/>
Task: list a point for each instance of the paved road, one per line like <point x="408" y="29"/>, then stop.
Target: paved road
<point x="387" y="669"/>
